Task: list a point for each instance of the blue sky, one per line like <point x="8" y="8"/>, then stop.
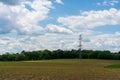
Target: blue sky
<point x="56" y="24"/>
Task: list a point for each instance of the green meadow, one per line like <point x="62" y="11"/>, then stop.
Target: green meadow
<point x="114" y="66"/>
<point x="60" y="69"/>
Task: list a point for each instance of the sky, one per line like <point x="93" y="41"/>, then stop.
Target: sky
<point x="56" y="24"/>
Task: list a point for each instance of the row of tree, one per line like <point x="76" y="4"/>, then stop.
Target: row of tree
<point x="59" y="54"/>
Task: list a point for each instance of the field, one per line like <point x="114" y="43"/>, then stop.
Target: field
<point x="64" y="69"/>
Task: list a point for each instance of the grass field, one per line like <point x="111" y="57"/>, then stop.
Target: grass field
<point x="113" y="66"/>
<point x="69" y="69"/>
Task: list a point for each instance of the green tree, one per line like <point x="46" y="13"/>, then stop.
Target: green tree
<point x="105" y="55"/>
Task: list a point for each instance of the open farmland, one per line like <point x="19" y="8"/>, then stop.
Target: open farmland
<point x="69" y="69"/>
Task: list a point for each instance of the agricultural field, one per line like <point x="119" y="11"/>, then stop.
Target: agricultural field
<point x="60" y="69"/>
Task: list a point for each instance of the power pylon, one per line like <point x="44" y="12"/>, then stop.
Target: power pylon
<point x="80" y="46"/>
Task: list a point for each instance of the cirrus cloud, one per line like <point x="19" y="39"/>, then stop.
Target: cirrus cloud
<point x="108" y="3"/>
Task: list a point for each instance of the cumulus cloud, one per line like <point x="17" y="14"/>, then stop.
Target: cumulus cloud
<point x="21" y="19"/>
<point x="60" y="41"/>
<point x="103" y="42"/>
<point x="57" y="29"/>
<point x="92" y="19"/>
<point x="31" y="43"/>
<point x="59" y="1"/>
<point x="24" y="19"/>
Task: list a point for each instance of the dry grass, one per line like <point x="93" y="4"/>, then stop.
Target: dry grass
<point x="69" y="69"/>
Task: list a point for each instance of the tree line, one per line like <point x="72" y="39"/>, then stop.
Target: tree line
<point x="59" y="54"/>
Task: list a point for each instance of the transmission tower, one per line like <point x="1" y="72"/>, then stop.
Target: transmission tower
<point x="80" y="46"/>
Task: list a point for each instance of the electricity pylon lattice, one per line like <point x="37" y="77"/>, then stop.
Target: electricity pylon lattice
<point x="80" y="46"/>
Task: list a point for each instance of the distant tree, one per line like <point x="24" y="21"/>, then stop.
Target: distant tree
<point x="46" y="54"/>
<point x="58" y="54"/>
<point x="20" y="57"/>
<point x="105" y="55"/>
<point x="11" y="57"/>
<point x="119" y="52"/>
<point x="116" y="56"/>
<point x="5" y="57"/>
<point x="0" y="57"/>
<point x="94" y="54"/>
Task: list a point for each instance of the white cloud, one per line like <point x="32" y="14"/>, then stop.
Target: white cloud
<point x="103" y="42"/>
<point x="60" y="41"/>
<point x="87" y="20"/>
<point x="108" y="3"/>
<point x="57" y="29"/>
<point x="59" y="1"/>
<point x="21" y="19"/>
<point x="92" y="19"/>
<point x="27" y="43"/>
<point x="17" y="18"/>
